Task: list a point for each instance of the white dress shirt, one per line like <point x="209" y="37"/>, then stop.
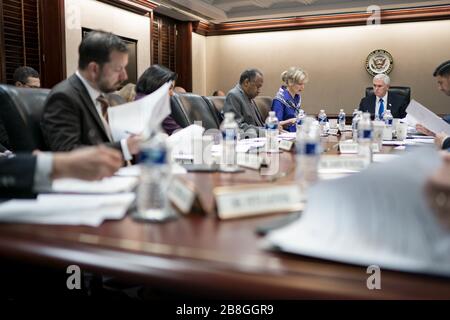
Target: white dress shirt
<point x="94" y="94"/>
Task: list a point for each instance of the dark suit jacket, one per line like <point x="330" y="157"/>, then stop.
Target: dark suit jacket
<point x="17" y="176"/>
<point x="396" y="103"/>
<point x="245" y="111"/>
<point x="70" y="119"/>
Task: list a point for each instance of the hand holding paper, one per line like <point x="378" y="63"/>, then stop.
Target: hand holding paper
<point x="141" y="116"/>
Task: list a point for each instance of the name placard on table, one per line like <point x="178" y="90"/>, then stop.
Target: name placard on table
<point x="343" y="163"/>
<point x="350" y="147"/>
<point x="182" y="195"/>
<point x="251" y="200"/>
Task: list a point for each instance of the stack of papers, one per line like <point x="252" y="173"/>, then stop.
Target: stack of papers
<point x="427" y="118"/>
<point x="89" y="210"/>
<point x="106" y="185"/>
<point x="377" y="217"/>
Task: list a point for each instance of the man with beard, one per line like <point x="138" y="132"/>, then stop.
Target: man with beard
<point x="75" y="112"/>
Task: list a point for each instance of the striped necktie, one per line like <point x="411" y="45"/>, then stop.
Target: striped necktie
<point x="104" y="106"/>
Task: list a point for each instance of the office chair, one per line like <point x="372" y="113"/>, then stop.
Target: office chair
<point x="21" y="110"/>
<point x="264" y="105"/>
<point x="217" y="103"/>
<point x="404" y="91"/>
<point x="197" y="109"/>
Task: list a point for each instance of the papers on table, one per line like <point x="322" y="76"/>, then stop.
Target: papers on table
<point x="377" y="217"/>
<point x="141" y="116"/>
<point x="107" y="185"/>
<point x="287" y="136"/>
<point x="90" y="210"/>
<point x="427" y="118"/>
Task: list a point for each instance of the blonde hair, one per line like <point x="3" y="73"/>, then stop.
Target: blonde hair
<point x="128" y="92"/>
<point x="294" y="75"/>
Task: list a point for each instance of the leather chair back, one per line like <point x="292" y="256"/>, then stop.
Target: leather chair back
<point x="217" y="102"/>
<point x="264" y="104"/>
<point x="21" y="111"/>
<point x="404" y="91"/>
<point x="197" y="109"/>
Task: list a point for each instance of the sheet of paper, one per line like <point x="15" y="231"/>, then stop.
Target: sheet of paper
<point x="90" y="210"/>
<point x="288" y="136"/>
<point x="141" y="116"/>
<point x="427" y="118"/>
<point x="106" y="185"/>
<point x="377" y="217"/>
<point x="419" y="141"/>
<point x="182" y="141"/>
<point x="380" y="157"/>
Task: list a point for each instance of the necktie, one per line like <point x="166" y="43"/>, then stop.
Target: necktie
<point x="104" y="105"/>
<point x="381" y="109"/>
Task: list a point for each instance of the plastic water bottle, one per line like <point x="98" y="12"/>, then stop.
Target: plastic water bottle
<point x="365" y="133"/>
<point x="356" y="118"/>
<point x="300" y="119"/>
<point x="272" y="132"/>
<point x="152" y="202"/>
<point x="308" y="153"/>
<point x="230" y="133"/>
<point x="388" y="118"/>
<point x="323" y="120"/>
<point x="341" y="120"/>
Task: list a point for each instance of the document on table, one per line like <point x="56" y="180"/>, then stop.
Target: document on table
<point x="89" y="210"/>
<point x="427" y="118"/>
<point x="106" y="185"/>
<point x="377" y="217"/>
<point x="141" y="116"/>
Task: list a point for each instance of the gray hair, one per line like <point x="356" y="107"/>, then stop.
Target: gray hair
<point x="383" y="77"/>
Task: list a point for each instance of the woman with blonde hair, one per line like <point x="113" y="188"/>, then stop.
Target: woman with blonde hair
<point x="287" y="102"/>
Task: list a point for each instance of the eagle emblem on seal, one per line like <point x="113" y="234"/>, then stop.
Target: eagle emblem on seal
<point x="379" y="61"/>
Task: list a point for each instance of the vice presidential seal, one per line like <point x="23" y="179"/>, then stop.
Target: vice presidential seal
<point x="379" y="61"/>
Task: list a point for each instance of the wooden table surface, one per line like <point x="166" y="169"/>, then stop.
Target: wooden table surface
<point x="200" y="254"/>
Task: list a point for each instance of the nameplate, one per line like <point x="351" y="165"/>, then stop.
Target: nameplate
<point x="343" y="163"/>
<point x="286" y="145"/>
<point x="181" y="195"/>
<point x="348" y="147"/>
<point x="249" y="160"/>
<point x="352" y="148"/>
<point x="333" y="132"/>
<point x="251" y="200"/>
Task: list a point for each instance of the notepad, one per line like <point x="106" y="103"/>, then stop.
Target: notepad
<point x="377" y="217"/>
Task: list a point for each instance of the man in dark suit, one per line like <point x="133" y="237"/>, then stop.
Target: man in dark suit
<point x="75" y="112"/>
<point x="24" y="175"/>
<point x="240" y="101"/>
<point x="381" y="99"/>
<point x="442" y="75"/>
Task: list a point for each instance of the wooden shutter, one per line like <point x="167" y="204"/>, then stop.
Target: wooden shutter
<point x="20" y="36"/>
<point x="164" y="42"/>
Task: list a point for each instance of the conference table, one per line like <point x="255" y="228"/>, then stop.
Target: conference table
<point x="201" y="255"/>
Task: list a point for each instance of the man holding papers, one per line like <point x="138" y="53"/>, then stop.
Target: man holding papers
<point x="75" y="112"/>
<point x="442" y="75"/>
<point x="25" y="174"/>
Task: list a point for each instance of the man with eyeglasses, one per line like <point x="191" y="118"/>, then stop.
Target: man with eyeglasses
<point x="26" y="77"/>
<point x="240" y="101"/>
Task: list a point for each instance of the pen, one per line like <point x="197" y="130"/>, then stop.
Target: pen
<point x="132" y="133"/>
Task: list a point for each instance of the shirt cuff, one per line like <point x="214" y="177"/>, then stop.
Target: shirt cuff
<point x="126" y="153"/>
<point x="44" y="166"/>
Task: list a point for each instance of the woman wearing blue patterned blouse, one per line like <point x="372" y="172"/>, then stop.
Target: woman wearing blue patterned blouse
<point x="287" y="102"/>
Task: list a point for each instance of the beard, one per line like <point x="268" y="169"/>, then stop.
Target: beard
<point x="106" y="87"/>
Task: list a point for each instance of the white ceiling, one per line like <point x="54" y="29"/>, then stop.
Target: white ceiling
<point x="239" y="10"/>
